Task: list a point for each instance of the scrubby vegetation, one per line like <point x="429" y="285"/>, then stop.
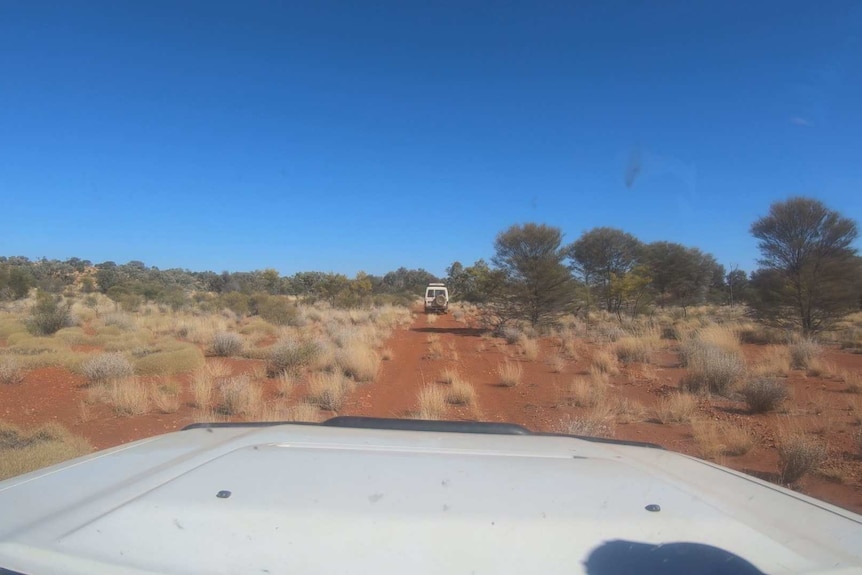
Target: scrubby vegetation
<point x="22" y="451"/>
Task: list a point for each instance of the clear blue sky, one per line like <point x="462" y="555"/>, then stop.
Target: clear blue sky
<point x="346" y="136"/>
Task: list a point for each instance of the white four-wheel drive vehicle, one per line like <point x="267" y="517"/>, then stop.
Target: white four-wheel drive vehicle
<point x="436" y="298"/>
<point x="356" y="495"/>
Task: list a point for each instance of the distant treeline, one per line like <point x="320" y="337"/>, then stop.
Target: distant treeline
<point x="134" y="282"/>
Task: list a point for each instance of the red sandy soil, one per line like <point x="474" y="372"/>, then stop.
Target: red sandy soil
<point x="818" y="405"/>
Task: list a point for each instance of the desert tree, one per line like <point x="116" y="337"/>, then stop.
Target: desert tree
<point x="602" y="257"/>
<point x="681" y="275"/>
<point x="530" y="282"/>
<point x="810" y="273"/>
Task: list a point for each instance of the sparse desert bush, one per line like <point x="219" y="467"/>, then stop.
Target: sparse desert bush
<point x="593" y="423"/>
<point x="290" y="355"/>
<point x="218" y="368"/>
<point x="286" y="382"/>
<point x="819" y="368"/>
<point x="764" y="394"/>
<point x="202" y="388"/>
<point x="510" y="333"/>
<point x="387" y="354"/>
<point x="277" y="310"/>
<point x="631" y="349"/>
<point x="304" y="412"/>
<point x="25" y="451"/>
<point x="586" y="392"/>
<point x="167" y="358"/>
<point x="604" y="361"/>
<point x="530" y="348"/>
<point x="449" y="375"/>
<point x="713" y="366"/>
<point x="435" y="350"/>
<point x="715" y="438"/>
<point x="128" y="396"/>
<point x="10" y="371"/>
<point x="675" y="408"/>
<point x="226" y="344"/>
<point x="627" y="410"/>
<point x="106" y="366"/>
<point x="798" y="455"/>
<point x="432" y="402"/>
<point x="431" y="318"/>
<point x="775" y="362"/>
<point x="803" y="352"/>
<point x="328" y="390"/>
<point x="49" y="314"/>
<point x="9" y="325"/>
<point x="460" y="392"/>
<point x="240" y="396"/>
<point x="121" y="320"/>
<point x="853" y="381"/>
<point x="557" y="364"/>
<point x="510" y="373"/>
<point x="358" y="361"/>
<point x="165" y="399"/>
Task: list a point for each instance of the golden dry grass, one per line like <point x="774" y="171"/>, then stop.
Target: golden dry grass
<point x="775" y="362"/>
<point x="557" y="363"/>
<point x="798" y="455"/>
<point x="603" y="361"/>
<point x="852" y="380"/>
<point x="510" y="373"/>
<point x="358" y="361"/>
<point x="431" y="318"/>
<point x="432" y="402"/>
<point x="635" y="349"/>
<point x="529" y="348"/>
<point x="24" y="451"/>
<point x="127" y="396"/>
<point x="717" y="438"/>
<point x="460" y="392"/>
<point x="595" y="422"/>
<point x="285" y="383"/>
<point x="675" y="408"/>
<point x="328" y="390"/>
<point x="240" y="396"/>
<point x="10" y="371"/>
<point x="168" y="358"/>
<point x="164" y="399"/>
<point x="586" y="392"/>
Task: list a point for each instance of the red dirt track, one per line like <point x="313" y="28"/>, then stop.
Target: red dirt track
<point x="820" y="405"/>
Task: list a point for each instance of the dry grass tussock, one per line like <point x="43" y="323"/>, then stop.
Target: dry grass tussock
<point x="226" y="344"/>
<point x="596" y="422"/>
<point x="127" y="396"/>
<point x="291" y="355"/>
<point x="510" y="373"/>
<point x="329" y="390"/>
<point x="763" y="394"/>
<point x="432" y="402"/>
<point x="240" y="396"/>
<point x="557" y="363"/>
<point x="714" y="360"/>
<point x="359" y="361"/>
<point x="105" y="367"/>
<point x="431" y="318"/>
<point x="24" y="451"/>
<point x="636" y="349"/>
<point x="529" y="348"/>
<point x="586" y="392"/>
<point x="675" y="408"/>
<point x="285" y="382"/>
<point x="460" y="392"/>
<point x="449" y="375"/>
<point x="853" y="381"/>
<point x="603" y="361"/>
<point x="803" y="353"/>
<point x="10" y="371"/>
<point x="775" y="362"/>
<point x="718" y="438"/>
<point x="167" y="357"/>
<point x="798" y="455"/>
<point x="165" y="399"/>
